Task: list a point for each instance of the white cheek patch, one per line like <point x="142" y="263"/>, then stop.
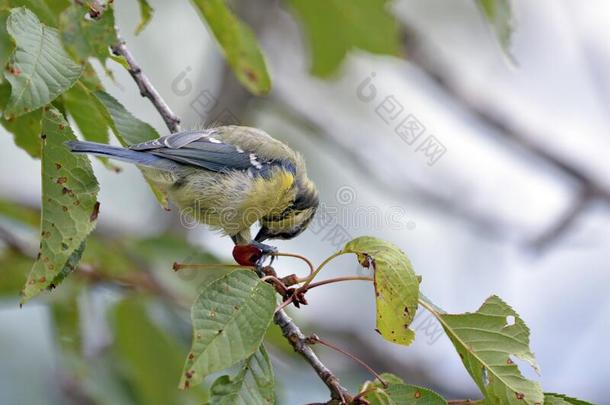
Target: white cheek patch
<point x="213" y="140"/>
<point x="239" y="150"/>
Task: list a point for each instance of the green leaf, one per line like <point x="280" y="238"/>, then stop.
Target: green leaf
<point x="499" y="15"/>
<point x="13" y="268"/>
<point x="335" y="27"/>
<point x="40" y="70"/>
<point x="240" y="47"/>
<point x="560" y="399"/>
<point x="396" y="286"/>
<point x="146" y="13"/>
<point x="69" y="206"/>
<point x="152" y="358"/>
<point x="253" y="384"/>
<point x="230" y="318"/>
<point x="399" y="393"/>
<point x="6" y="45"/>
<point x="46" y="10"/>
<point x="485" y="340"/>
<point x="85" y="110"/>
<point x="86" y="37"/>
<point x="25" y="128"/>
<point x="129" y="130"/>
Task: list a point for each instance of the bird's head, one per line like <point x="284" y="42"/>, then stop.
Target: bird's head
<point x="295" y="218"/>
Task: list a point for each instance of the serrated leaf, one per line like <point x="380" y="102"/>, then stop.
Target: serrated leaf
<point x="396" y="286"/>
<point x="560" y="399"/>
<point x="87" y="37"/>
<point x="40" y="70"/>
<point x="253" y="384"/>
<point x="499" y="15"/>
<point x="69" y="206"/>
<point x="399" y="393"/>
<point x="335" y="27"/>
<point x="83" y="107"/>
<point x="485" y="340"/>
<point x="230" y="318"/>
<point x="239" y="45"/>
<point x="129" y="130"/>
<point x="146" y="13"/>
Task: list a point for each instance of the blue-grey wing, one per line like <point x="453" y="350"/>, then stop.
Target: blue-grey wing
<point x="202" y="149"/>
<point x="175" y="141"/>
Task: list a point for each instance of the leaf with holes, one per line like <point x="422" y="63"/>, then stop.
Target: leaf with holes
<point x="335" y="27"/>
<point x="146" y="13"/>
<point x="399" y="393"/>
<point x="396" y="286"/>
<point x="253" y="384"/>
<point x="69" y="206"/>
<point x="39" y="69"/>
<point x="230" y="318"/>
<point x="485" y="340"/>
<point x="499" y="15"/>
<point x="560" y="399"/>
<point x="239" y="45"/>
<point x="86" y="37"/>
<point x="129" y="130"/>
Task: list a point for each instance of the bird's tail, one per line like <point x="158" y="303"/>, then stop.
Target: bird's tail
<point x="126" y="155"/>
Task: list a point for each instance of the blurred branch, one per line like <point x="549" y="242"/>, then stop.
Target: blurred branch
<point x="146" y="88"/>
<point x="420" y="56"/>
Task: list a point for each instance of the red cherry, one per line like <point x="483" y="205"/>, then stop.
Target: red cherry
<point x="246" y="255"/>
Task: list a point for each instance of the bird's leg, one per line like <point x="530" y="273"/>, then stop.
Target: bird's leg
<point x="250" y="252"/>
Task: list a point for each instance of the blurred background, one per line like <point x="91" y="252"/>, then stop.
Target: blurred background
<point x="489" y="171"/>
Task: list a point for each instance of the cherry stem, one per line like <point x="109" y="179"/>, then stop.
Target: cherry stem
<point x="335" y="280"/>
<point x="303" y="258"/>
<point x="320" y="267"/>
<point x="284" y="304"/>
<point x="316" y="339"/>
<point x="363" y="393"/>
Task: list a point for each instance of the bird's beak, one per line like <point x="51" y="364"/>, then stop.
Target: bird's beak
<point x="263" y="234"/>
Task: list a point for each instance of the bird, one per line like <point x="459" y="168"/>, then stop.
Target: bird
<point x="228" y="177"/>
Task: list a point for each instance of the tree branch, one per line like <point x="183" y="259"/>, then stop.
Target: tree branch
<point x="146" y="88"/>
<point x="298" y="341"/>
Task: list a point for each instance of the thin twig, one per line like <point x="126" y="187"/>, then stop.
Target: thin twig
<point x="146" y="88"/>
<point x="298" y="341"/>
<point x="316" y="339"/>
<point x="337" y="280"/>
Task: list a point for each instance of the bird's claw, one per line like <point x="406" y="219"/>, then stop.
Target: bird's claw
<point x="266" y="251"/>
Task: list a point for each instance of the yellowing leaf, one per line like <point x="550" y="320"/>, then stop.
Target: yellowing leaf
<point x="399" y="393"/>
<point x="39" y="69"/>
<point x="69" y="206"/>
<point x="230" y="318"/>
<point x="485" y="340"/>
<point x="396" y="286"/>
<point x="239" y="45"/>
<point x="146" y="13"/>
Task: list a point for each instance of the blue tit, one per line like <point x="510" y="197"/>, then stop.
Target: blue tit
<point x="228" y="177"/>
